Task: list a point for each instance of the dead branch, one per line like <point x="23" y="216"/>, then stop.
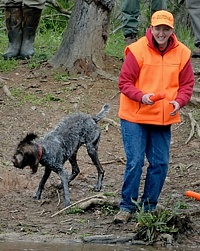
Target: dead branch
<point x="108" y="162"/>
<point x="58" y="7"/>
<point x="92" y="202"/>
<point x="196" y="90"/>
<point x="112" y="122"/>
<point x="195" y="100"/>
<point x="2" y="80"/>
<point x="78" y="202"/>
<point x="117" y="159"/>
<point x="196" y="183"/>
<point x="111" y="239"/>
<point x="58" y="197"/>
<point x="121" y="160"/>
<point x="107" y="127"/>
<point x="7" y="92"/>
<point x="194" y="125"/>
<point x="117" y="93"/>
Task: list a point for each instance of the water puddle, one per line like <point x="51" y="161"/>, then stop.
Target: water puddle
<point x="35" y="246"/>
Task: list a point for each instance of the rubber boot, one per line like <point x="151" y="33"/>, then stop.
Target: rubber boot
<point x="13" y="17"/>
<point x="31" y="18"/>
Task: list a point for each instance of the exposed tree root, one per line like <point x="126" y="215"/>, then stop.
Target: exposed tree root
<point x="194" y="125"/>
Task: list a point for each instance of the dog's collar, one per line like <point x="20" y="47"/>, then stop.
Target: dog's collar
<point x="40" y="152"/>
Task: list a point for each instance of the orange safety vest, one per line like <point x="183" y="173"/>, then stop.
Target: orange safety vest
<point x="157" y="74"/>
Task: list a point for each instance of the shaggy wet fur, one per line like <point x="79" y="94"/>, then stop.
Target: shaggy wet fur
<point x="60" y="145"/>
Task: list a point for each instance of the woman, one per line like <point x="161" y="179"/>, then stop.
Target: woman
<point x="156" y="63"/>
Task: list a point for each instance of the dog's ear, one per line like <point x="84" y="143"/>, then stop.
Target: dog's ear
<point x="17" y="159"/>
<point x="29" y="137"/>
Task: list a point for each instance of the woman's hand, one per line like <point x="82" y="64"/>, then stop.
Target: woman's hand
<point x="146" y="99"/>
<point x="176" y="107"/>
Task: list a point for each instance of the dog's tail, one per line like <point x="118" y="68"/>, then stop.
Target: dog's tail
<point x="104" y="111"/>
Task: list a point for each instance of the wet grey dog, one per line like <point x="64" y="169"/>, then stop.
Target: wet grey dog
<point x="61" y="144"/>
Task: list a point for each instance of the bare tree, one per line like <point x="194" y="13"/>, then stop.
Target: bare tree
<point x="83" y="47"/>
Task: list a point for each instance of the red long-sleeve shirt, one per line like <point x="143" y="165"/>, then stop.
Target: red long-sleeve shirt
<point x="130" y="72"/>
<point x="146" y="69"/>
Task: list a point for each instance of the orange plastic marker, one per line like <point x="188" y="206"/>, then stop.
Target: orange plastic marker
<point x="157" y="97"/>
<point x="193" y="195"/>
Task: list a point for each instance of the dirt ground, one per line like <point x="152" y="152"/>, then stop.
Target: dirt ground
<point x="23" y="218"/>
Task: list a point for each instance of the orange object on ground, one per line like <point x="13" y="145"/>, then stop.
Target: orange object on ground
<point x="157" y="97"/>
<point x="193" y="195"/>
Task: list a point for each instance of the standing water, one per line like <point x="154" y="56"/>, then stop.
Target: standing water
<point x="33" y="246"/>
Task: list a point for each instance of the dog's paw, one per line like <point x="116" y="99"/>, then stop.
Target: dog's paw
<point x="97" y="189"/>
<point x="36" y="197"/>
<point x="67" y="202"/>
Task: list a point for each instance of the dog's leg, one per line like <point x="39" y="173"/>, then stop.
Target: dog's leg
<point x="75" y="168"/>
<point x="45" y="177"/>
<point x="92" y="152"/>
<point x="64" y="181"/>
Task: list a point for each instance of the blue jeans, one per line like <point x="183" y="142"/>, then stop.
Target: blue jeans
<point x="154" y="142"/>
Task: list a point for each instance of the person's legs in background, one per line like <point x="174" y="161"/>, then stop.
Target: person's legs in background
<point x="13" y="19"/>
<point x="193" y="8"/>
<point x="32" y="11"/>
<point x="158" y="5"/>
<point x="130" y="14"/>
<point x="22" y="19"/>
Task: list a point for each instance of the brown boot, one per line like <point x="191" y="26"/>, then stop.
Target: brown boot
<point x="31" y="18"/>
<point x="122" y="217"/>
<point x="13" y="15"/>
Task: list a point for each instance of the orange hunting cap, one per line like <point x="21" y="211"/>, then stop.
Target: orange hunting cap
<point x="162" y="17"/>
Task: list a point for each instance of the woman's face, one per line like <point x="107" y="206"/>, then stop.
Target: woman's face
<point x="161" y="34"/>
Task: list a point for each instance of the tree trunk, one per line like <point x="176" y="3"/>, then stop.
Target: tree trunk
<point x="82" y="50"/>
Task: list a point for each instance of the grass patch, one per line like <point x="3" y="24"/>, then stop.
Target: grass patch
<point x="84" y="235"/>
<point x="116" y="45"/>
<point x="109" y="210"/>
<point x="109" y="194"/>
<point x="61" y="76"/>
<point x="186" y="36"/>
<point x="24" y="97"/>
<point x="167" y="221"/>
<point x="74" y="210"/>
<point x="8" y="65"/>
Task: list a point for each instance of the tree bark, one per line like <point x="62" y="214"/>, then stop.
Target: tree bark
<point x="82" y="50"/>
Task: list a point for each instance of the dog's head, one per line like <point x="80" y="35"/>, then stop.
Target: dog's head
<point x="26" y="153"/>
